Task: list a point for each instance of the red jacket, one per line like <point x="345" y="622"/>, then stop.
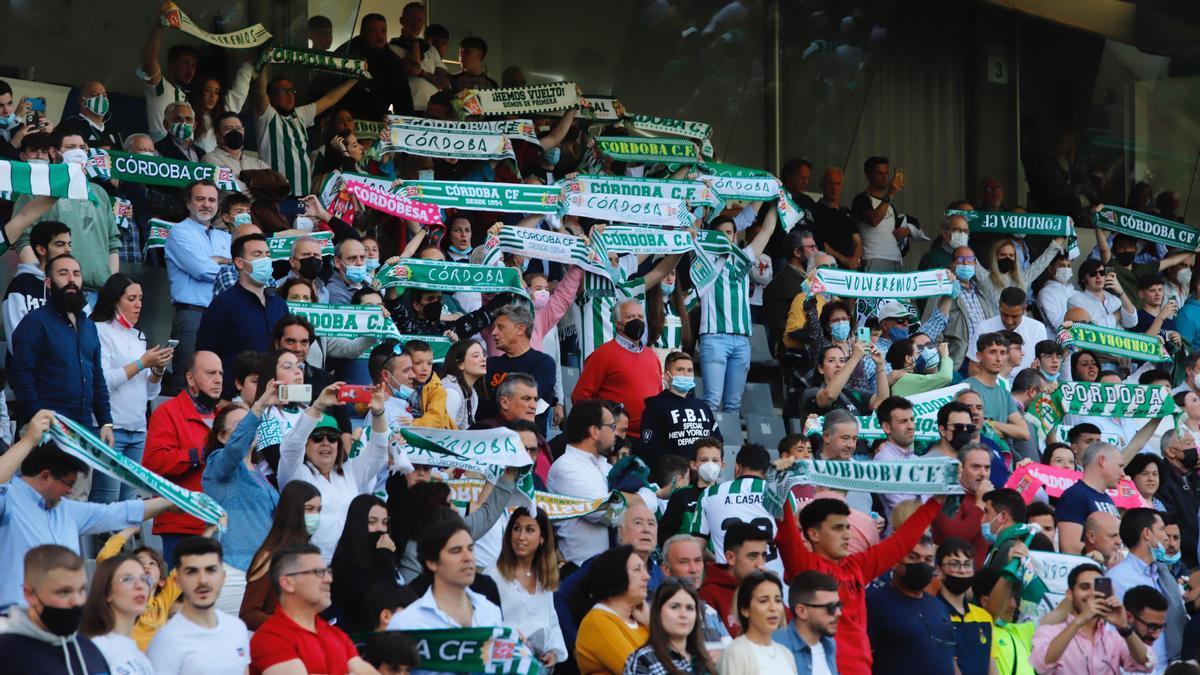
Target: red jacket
<point x="853" y="573"/>
<point x="175" y="451"/>
<point x="964" y="524"/>
<point x="717" y="592"/>
<point x="614" y="373"/>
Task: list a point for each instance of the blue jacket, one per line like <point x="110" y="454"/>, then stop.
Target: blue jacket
<point x="569" y="586"/>
<point x="788" y="637"/>
<point x="237" y="322"/>
<point x="247" y="497"/>
<point x="56" y="365"/>
<point x="1188" y="323"/>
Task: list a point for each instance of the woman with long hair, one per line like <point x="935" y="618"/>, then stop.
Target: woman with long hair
<point x="1085" y="366"/>
<point x="612" y="601"/>
<point x="834" y="392"/>
<point x="231" y="478"/>
<point x="1006" y="270"/>
<point x="760" y="611"/>
<point x="284" y="368"/>
<point x="209" y="99"/>
<point x="526" y="575"/>
<point x="312" y="452"/>
<point x="296" y="518"/>
<point x="117" y="597"/>
<point x="341" y="152"/>
<point x="676" y="643"/>
<point x="365" y="556"/>
<point x="298" y="289"/>
<point x="466" y="366"/>
<point x="832" y="325"/>
<point x="132" y="372"/>
<point x="164" y="587"/>
<point x="667" y="324"/>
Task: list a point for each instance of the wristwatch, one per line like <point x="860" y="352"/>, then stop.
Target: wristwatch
<point x="1125" y="632"/>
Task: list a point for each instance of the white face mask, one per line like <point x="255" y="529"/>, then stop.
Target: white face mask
<point x="959" y="239"/>
<point x="1063" y="275"/>
<point x="1185" y="278"/>
<point x="709" y="472"/>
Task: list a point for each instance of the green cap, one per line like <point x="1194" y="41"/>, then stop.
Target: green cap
<point x="326" y="422"/>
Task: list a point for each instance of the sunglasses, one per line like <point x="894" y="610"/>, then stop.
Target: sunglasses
<point x="831" y="607"/>
<point x="1097" y="273"/>
<point x="969" y="428"/>
<point x="324" y="436"/>
<point x="285" y="90"/>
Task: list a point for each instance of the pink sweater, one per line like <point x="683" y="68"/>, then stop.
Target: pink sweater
<point x="547" y="317"/>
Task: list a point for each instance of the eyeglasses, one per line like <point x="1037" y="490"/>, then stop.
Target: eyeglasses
<point x="318" y="572"/>
<point x="612" y="426"/>
<point x="285" y="90"/>
<point x="324" y="436"/>
<point x="69" y="486"/>
<point x="831" y="607"/>
<point x="1150" y="627"/>
<point x="130" y="579"/>
<point x="959" y="565"/>
<point x="1097" y="273"/>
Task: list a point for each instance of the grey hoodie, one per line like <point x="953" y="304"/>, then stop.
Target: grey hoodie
<point x="28" y="648"/>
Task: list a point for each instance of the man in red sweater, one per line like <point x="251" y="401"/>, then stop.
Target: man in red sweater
<point x="966" y="523"/>
<point x="826" y="527"/>
<point x="623" y="369"/>
<point x="175" y="442"/>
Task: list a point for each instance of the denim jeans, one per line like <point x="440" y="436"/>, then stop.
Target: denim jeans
<point x="724" y="365"/>
<point x="105" y="488"/>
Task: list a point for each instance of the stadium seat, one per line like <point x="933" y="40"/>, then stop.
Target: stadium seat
<point x="760" y="350"/>
<point x="757" y="400"/>
<point x="570" y="378"/>
<point x="731" y="428"/>
<point x="766" y="430"/>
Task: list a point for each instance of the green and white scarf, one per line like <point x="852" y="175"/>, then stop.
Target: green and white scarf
<point x="368" y="129"/>
<point x="644" y="240"/>
<point x="740" y="183"/>
<point x="600" y="108"/>
<point x="713" y="252"/>
<point x="1134" y="401"/>
<point x="517" y="129"/>
<point x="918" y="476"/>
<point x="649" y="150"/>
<point x="449" y="277"/>
<point x="488" y="452"/>
<point x="346" y="321"/>
<point x="470" y="196"/>
<point x="847" y="284"/>
<point x="996" y="222"/>
<point x="693" y="192"/>
<point x="698" y="131"/>
<point x="65" y="181"/>
<point x="280" y="245"/>
<point x="254" y="36"/>
<point x="543" y="245"/>
<point x="537" y="98"/>
<point x="1118" y="343"/>
<point x="426" y="141"/>
<point x="474" y="650"/>
<point x="157" y="237"/>
<point x="630" y="209"/>
<point x="1146" y="227"/>
<point x="925" y="408"/>
<point x="76" y="440"/>
<point x="123" y="213"/>
<point x="159" y="170"/>
<point x="323" y="61"/>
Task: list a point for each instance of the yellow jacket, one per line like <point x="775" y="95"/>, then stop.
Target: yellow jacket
<point x="158" y="607"/>
<point x="605" y="642"/>
<point x="796" y="320"/>
<point x="433" y="405"/>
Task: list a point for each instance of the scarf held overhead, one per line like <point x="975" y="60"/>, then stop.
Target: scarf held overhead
<point x="847" y="284"/>
<point x="346" y="321"/>
<point x="451" y="277"/>
<point x="649" y="150"/>
<point x="537" y="98"/>
<point x="473" y="196"/>
<point x="254" y="36"/>
<point x="1116" y="342"/>
<point x="394" y="204"/>
<point x="324" y="61"/>
<point x="1136" y="401"/>
<point x="1146" y="227"/>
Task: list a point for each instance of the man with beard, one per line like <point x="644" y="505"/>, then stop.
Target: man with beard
<point x="813" y="598"/>
<point x="583" y="472"/>
<point x="388" y="86"/>
<point x="195" y="252"/>
<point x="176" y="438"/>
<point x="56" y="356"/>
<point x="200" y="638"/>
<point x="283" y="128"/>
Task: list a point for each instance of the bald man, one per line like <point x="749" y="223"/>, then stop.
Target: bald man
<point x="1102" y="538"/>
<point x="175" y="442"/>
<point x="93" y="113"/>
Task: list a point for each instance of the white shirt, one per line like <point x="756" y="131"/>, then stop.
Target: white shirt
<point x="878" y="241"/>
<point x="158" y="96"/>
<point x="424" y="613"/>
<point x="356" y="477"/>
<point x="1102" y="312"/>
<point x="183" y="648"/>
<point x="581" y="474"/>
<point x="120" y="346"/>
<point x="819" y="662"/>
<point x="1052" y="299"/>
<point x="532" y="614"/>
<point x="123" y="655"/>
<point x="1031" y="331"/>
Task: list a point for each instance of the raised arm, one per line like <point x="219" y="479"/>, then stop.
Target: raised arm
<point x="660" y="271"/>
<point x="150" y="51"/>
<point x="22" y="220"/>
<point x="832" y="389"/>
<point x="759" y="243"/>
<point x="11" y="460"/>
<point x="259" y="97"/>
<point x="559" y="132"/>
<point x="330" y="99"/>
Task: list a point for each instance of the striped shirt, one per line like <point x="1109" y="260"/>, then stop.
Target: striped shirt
<point x="741" y="500"/>
<point x="158" y="96"/>
<point x="283" y="144"/>
<point x="599" y="298"/>
<point x="672" y="331"/>
<point x="725" y="306"/>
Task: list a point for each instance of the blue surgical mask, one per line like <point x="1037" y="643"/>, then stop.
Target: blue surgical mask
<point x="928" y="358"/>
<point x="986" y="531"/>
<point x="1049" y="378"/>
<point x="965" y="272"/>
<point x="668" y="289"/>
<point x="372" y="264"/>
<point x="403" y="392"/>
<point x="683" y="383"/>
<point x="356" y="273"/>
<point x="839" y="330"/>
<point x="1160" y="555"/>
<point x="242" y="218"/>
<point x="6" y="122"/>
<point x="260" y="270"/>
<point x="460" y="251"/>
<point x="897" y="333"/>
<point x="553" y="155"/>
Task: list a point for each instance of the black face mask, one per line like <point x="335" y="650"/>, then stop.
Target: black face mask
<point x="62" y="621"/>
<point x="634" y="329"/>
<point x="916" y="576"/>
<point x="1125" y="258"/>
<point x="432" y="311"/>
<point x="1191" y="457"/>
<point x="234" y="140"/>
<point x="1005" y="265"/>
<point x="310" y="268"/>
<point x="960" y="438"/>
<point x="205" y="401"/>
<point x="68" y="298"/>
<point x="957" y="585"/>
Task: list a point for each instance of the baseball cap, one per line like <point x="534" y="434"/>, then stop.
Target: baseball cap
<point x="326" y="422"/>
<point x="892" y="309"/>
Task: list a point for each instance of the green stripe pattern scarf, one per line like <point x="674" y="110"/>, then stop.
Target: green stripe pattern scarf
<point x="1146" y="227"/>
<point x="254" y="36"/>
<point x="159" y="170"/>
<point x="426" y="141"/>
<point x="66" y="181"/>
<point x="698" y="131"/>
<point x="694" y="192"/>
<point x="473" y="196"/>
<point x="649" y="150"/>
<point x="323" y="61"/>
<point x="537" y="98"/>
<point x="346" y="321"/>
<point x="449" y="277"/>
<point x="474" y="650"/>
<point x="280" y="246"/>
<point x="998" y="222"/>
<point x="1134" y="401"/>
<point x="1117" y="343"/>
<point x="543" y="245"/>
